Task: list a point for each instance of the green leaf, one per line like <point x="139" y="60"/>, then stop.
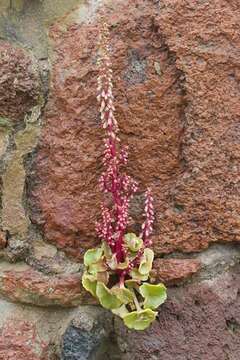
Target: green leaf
<point x="146" y="262"/>
<point x="103" y="277"/>
<point x="89" y="283"/>
<point x="106" y="297"/>
<point x="133" y="242"/>
<point x="92" y="256"/>
<point x="107" y="250"/>
<point x="123" y="294"/>
<point x="132" y="283"/>
<point x="135" y="274"/>
<point x="99" y="266"/>
<point x="139" y="320"/>
<point x="154" y="295"/>
<point x="123" y="265"/>
<point x="121" y="311"/>
<point x="112" y="263"/>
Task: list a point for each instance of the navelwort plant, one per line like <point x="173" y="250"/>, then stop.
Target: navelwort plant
<point x="116" y="272"/>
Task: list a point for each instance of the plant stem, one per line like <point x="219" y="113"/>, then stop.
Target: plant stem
<point x="121" y="280"/>
<point x="138" y="307"/>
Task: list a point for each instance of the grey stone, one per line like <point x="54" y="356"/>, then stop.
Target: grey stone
<point x="90" y="337"/>
<point x="17" y="250"/>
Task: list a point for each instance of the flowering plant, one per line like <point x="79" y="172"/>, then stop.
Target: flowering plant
<point x="116" y="272"/>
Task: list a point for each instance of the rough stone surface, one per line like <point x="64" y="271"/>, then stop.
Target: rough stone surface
<point x="3" y="240"/>
<point x="204" y="35"/>
<point x="89" y="337"/>
<point x="31" y="333"/>
<point x="19" y="341"/>
<point x="219" y="257"/>
<point x="4" y="135"/>
<point x="177" y="106"/>
<point x="173" y="271"/>
<point x="199" y="321"/>
<point x="149" y="108"/>
<point x="19" y="90"/>
<point x="21" y="283"/>
<point x="17" y="250"/>
<point x="176" y="76"/>
<point x="32" y="287"/>
<point x="21" y="336"/>
<point x="14" y="216"/>
<point x="47" y="259"/>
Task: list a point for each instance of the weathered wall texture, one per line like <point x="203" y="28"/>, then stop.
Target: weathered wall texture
<point x="177" y="86"/>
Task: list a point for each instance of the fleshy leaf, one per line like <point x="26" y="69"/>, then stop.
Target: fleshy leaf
<point x="123" y="294"/>
<point x="139" y="320"/>
<point x="121" y="311"/>
<point x="123" y="265"/>
<point x="146" y="262"/>
<point x="132" y="283"/>
<point x="107" y="251"/>
<point x="89" y="283"/>
<point x="106" y="297"/>
<point x="99" y="266"/>
<point x="92" y="256"/>
<point x="154" y="295"/>
<point x="103" y="277"/>
<point x="135" y="274"/>
<point x="133" y="242"/>
<point x="112" y="263"/>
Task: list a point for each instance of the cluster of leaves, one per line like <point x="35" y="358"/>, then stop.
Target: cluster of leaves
<point x="134" y="300"/>
<point x="116" y="272"/>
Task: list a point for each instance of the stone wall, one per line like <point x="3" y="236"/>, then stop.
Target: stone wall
<point x="176" y="76"/>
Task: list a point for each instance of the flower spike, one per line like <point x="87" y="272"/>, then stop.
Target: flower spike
<point x="115" y="270"/>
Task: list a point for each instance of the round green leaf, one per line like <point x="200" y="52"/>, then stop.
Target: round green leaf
<point x="103" y="277"/>
<point x="154" y="295"/>
<point x="139" y="320"/>
<point x="132" y="283"/>
<point x="92" y="256"/>
<point x="99" y="266"/>
<point x="106" y="297"/>
<point x="146" y="262"/>
<point x="89" y="283"/>
<point x="135" y="274"/>
<point x="121" y="311"/>
<point x="133" y="242"/>
<point x="123" y="265"/>
<point x="123" y="294"/>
